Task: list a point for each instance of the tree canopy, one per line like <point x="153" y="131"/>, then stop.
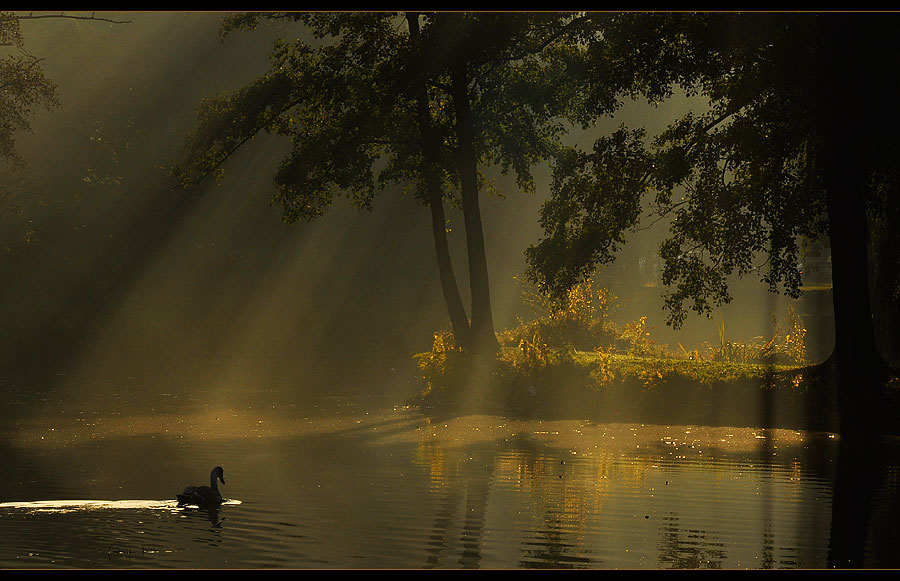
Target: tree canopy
<point x="24" y="88"/>
<point x="423" y="102"/>
<point x="739" y="182"/>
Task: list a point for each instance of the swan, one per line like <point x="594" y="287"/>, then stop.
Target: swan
<point x="204" y="495"/>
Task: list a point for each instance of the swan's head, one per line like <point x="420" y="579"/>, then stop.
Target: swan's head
<point x="218" y="473"/>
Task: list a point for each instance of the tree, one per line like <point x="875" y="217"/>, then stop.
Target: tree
<point x="423" y="101"/>
<point x="787" y="150"/>
<point x="24" y="89"/>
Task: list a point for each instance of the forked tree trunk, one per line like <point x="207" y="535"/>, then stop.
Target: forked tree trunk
<point x="484" y="340"/>
<point x="434" y="198"/>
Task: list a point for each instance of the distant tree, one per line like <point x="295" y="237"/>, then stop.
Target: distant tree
<point x="425" y="101"/>
<point x="24" y="89"/>
<point x="802" y="120"/>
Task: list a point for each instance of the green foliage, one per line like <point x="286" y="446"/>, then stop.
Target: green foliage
<point x="24" y="90"/>
<point x="577" y="331"/>
<point x="580" y="320"/>
<point x="740" y="181"/>
<point x="338" y="104"/>
<point x="423" y="102"/>
<point x="539" y="363"/>
<point x="595" y="198"/>
<point x="23" y="87"/>
<point x="347" y="103"/>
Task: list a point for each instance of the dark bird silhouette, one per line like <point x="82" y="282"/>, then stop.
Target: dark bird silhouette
<point x="204" y="496"/>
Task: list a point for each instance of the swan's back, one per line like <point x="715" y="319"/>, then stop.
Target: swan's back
<point x="204" y="495"/>
<point x="199" y="495"/>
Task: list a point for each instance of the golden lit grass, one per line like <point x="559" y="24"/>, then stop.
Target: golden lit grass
<point x="624" y="366"/>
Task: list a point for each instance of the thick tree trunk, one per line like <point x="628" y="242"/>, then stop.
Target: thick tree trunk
<point x="484" y="339"/>
<point x="458" y="319"/>
<point x="851" y="70"/>
<point x="858" y="364"/>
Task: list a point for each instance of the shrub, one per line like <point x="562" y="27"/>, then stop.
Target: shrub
<point x="441" y="366"/>
<point x="579" y="320"/>
<point x="635" y="339"/>
<point x="601" y="370"/>
<point x="533" y="355"/>
<point x="783" y="348"/>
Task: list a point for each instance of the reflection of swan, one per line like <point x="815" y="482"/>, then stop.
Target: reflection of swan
<point x="210" y="512"/>
<point x="204" y="496"/>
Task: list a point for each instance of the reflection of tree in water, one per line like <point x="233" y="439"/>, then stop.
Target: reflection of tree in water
<point x="459" y="478"/>
<point x="883" y="546"/>
<point x="857" y="478"/>
<point x="547" y="549"/>
<point x="477" y="489"/>
<point x="765" y="455"/>
<point x="462" y="480"/>
<point x="437" y="540"/>
<point x="688" y="548"/>
<point x="561" y="500"/>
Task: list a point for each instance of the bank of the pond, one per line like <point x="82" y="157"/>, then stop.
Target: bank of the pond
<point x="628" y="388"/>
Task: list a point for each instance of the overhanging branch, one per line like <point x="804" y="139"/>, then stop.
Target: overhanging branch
<point x="93" y="16"/>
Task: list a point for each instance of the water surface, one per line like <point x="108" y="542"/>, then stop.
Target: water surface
<point x="356" y="482"/>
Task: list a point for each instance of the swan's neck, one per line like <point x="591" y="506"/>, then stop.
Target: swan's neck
<point x="212" y="482"/>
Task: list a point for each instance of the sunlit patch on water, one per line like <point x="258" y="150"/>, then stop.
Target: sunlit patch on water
<point x="224" y="503"/>
<point x="64" y="506"/>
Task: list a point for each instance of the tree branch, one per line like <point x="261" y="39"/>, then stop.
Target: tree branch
<point x="574" y="23"/>
<point x="227" y="155"/>
<point x="660" y="214"/>
<point x="222" y="160"/>
<point x="93" y="16"/>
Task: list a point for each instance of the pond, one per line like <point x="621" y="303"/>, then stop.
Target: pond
<point x="359" y="482"/>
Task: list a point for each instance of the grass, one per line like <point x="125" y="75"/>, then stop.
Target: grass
<point x="626" y="367"/>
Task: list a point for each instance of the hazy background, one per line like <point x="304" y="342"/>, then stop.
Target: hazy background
<point x="130" y="283"/>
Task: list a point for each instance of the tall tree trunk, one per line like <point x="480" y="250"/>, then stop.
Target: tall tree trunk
<point x="458" y="319"/>
<point x="484" y="340"/>
<point x="859" y="366"/>
<point x="850" y="77"/>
